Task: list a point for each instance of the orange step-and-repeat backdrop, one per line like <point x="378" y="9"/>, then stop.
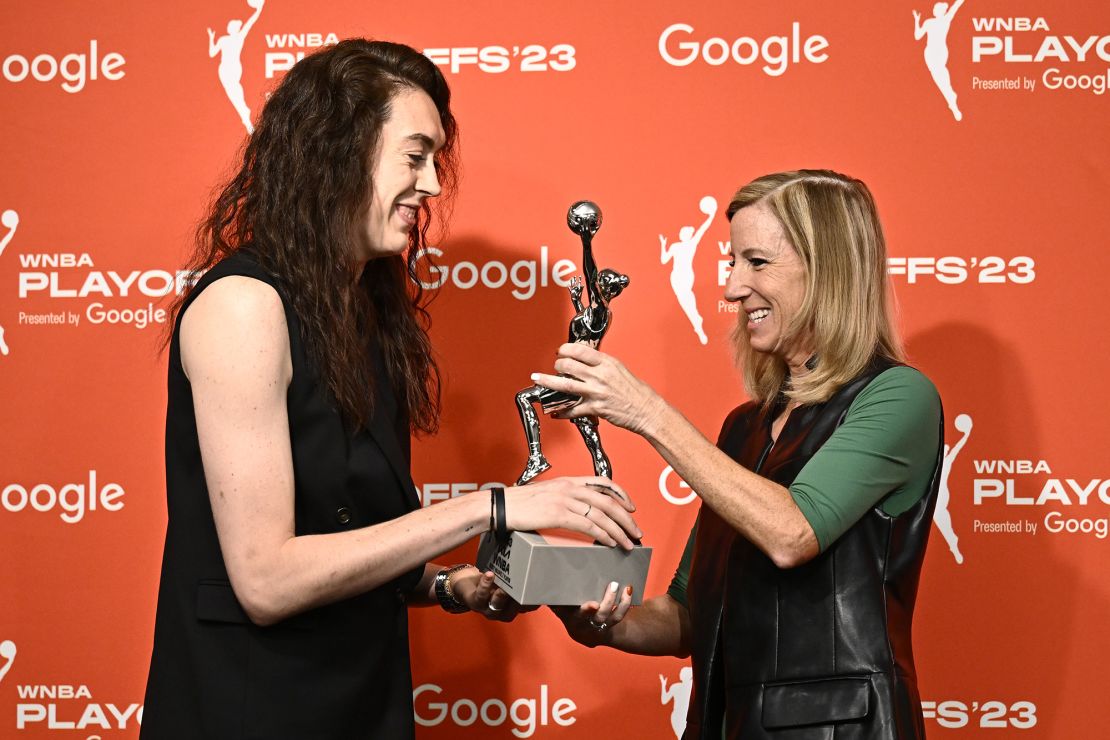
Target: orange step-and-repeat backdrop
<point x="984" y="141"/>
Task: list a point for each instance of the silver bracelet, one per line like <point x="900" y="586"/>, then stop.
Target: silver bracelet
<point x="444" y="595"/>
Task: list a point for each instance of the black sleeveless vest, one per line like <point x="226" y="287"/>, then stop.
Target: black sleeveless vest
<point x="818" y="651"/>
<point x="338" y="671"/>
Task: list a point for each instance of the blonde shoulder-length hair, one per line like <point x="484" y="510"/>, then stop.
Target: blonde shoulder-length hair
<point x="846" y="315"/>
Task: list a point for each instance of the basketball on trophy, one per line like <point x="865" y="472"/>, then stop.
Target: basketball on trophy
<point x="584" y="217"/>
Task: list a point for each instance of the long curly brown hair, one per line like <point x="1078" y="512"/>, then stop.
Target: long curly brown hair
<point x="299" y="200"/>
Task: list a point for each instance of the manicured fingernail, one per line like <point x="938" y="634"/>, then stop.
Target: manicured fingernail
<point x="613" y="587"/>
<point x="628" y="590"/>
<point x="535" y="376"/>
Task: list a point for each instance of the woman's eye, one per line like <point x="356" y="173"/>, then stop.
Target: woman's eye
<point x="418" y="158"/>
<point x="732" y="262"/>
<point x="757" y="262"/>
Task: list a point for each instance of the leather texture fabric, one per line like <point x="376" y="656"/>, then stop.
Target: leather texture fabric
<point x="338" y="671"/>
<point x="821" y="651"/>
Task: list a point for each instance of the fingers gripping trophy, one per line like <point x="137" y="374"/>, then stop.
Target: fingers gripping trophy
<point x="590" y="323"/>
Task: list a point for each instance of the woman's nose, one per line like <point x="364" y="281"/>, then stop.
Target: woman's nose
<point x="428" y="181"/>
<point x="736" y="286"/>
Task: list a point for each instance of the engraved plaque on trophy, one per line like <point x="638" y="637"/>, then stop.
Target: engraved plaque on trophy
<point x="534" y="568"/>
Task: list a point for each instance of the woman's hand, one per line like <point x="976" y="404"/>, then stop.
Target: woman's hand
<point x="591" y="624"/>
<point x="594" y="506"/>
<point x="607" y="389"/>
<point x="478" y="591"/>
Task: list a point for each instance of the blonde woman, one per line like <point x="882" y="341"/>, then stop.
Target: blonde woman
<point x="796" y="590"/>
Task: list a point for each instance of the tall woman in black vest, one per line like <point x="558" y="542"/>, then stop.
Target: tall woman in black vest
<point x="298" y="365"/>
<point x="795" y="595"/>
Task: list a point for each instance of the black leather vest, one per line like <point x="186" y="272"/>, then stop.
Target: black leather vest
<point x="818" y="651"/>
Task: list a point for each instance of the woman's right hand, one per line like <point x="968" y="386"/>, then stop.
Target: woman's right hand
<point x="607" y="389"/>
<point x="595" y="506"/>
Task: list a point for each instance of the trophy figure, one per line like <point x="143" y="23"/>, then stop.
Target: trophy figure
<point x="535" y="568"/>
<point x="590" y="323"/>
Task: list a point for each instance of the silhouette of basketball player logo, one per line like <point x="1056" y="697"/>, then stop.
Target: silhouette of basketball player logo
<point x="230" y="49"/>
<point x="9" y="219"/>
<point x="7" y="655"/>
<point x="941" y="517"/>
<point x="681" y="256"/>
<point x="679" y="694"/>
<point x="935" y="30"/>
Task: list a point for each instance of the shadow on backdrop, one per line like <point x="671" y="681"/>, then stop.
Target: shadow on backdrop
<point x="1012" y="589"/>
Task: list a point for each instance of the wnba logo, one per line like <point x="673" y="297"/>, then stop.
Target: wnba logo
<point x="941" y="517"/>
<point x="10" y="221"/>
<point x="7" y="655"/>
<point x="283" y="51"/>
<point x="680" y="253"/>
<point x="678" y="695"/>
<point x="935" y="32"/>
<point x="230" y="48"/>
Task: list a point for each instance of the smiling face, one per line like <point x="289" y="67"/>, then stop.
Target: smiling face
<point x="403" y="173"/>
<point x="768" y="279"/>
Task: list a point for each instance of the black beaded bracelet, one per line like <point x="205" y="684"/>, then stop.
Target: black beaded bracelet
<point x="500" y="527"/>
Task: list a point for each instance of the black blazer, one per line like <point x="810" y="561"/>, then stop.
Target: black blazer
<point x="339" y="671"/>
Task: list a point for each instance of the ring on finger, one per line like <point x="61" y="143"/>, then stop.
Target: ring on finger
<point x="493" y="608"/>
<point x="589" y="508"/>
<point x="599" y="626"/>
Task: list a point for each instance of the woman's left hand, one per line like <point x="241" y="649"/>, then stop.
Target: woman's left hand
<point x="591" y="624"/>
<point x="606" y="386"/>
<point x="479" y="592"/>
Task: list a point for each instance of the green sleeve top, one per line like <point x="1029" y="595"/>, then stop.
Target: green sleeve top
<point x="885" y="451"/>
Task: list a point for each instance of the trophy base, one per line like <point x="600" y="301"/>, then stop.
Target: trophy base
<point x="537" y="569"/>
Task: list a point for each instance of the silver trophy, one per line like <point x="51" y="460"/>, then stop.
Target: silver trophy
<point x="536" y="568"/>
<point x="590" y="323"/>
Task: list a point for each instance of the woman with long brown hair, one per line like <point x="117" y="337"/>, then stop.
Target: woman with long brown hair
<point x="298" y="364"/>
